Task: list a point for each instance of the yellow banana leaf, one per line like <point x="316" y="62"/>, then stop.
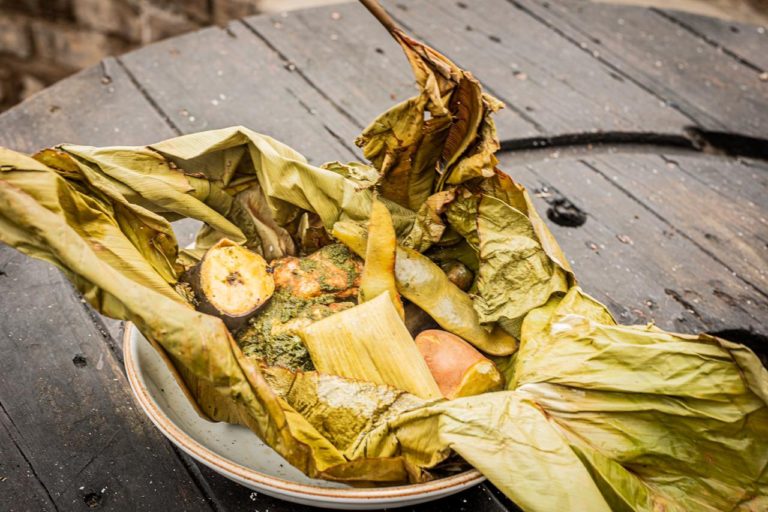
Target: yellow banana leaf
<point x="520" y="264"/>
<point x="379" y="271"/>
<point x="445" y="134"/>
<point x="428" y="226"/>
<point x="596" y="416"/>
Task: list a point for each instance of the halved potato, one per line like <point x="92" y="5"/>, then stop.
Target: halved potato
<point x="232" y="282"/>
<point x="458" y="368"/>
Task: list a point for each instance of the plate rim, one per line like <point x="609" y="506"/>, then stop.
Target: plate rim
<point x="278" y="485"/>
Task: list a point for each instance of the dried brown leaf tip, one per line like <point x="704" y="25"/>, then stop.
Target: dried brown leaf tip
<point x="443" y="136"/>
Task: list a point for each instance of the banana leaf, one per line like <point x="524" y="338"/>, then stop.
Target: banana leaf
<point x="520" y="264"/>
<point x="596" y="416"/>
<point x="379" y="272"/>
<point x="443" y="135"/>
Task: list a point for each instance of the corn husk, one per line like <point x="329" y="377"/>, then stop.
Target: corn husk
<point x="596" y="416"/>
<point x="369" y="343"/>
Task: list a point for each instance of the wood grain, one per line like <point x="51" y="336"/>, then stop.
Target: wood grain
<point x="99" y="106"/>
<point x="540" y="74"/>
<point x="679" y="190"/>
<point x="715" y="90"/>
<point x="69" y="403"/>
<point x="745" y="41"/>
<point x="630" y="257"/>
<point x="352" y="59"/>
<point x="216" y="78"/>
<point x="20" y="487"/>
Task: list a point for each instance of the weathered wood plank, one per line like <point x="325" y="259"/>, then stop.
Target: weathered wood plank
<point x="741" y="180"/>
<point x="61" y="380"/>
<point x="351" y="58"/>
<point x="98" y="106"/>
<point x="355" y="62"/>
<point x="748" y="42"/>
<point x="536" y="71"/>
<point x="217" y="77"/>
<point x="20" y="488"/>
<point x="482" y="497"/>
<point x="69" y="402"/>
<point x="233" y="497"/>
<point x="716" y="90"/>
<point x="635" y="262"/>
<point x="733" y="229"/>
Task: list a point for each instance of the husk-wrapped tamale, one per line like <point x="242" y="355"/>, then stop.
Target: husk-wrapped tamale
<point x="594" y="416"/>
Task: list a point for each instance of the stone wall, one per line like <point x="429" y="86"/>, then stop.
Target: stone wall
<point x="42" y="41"/>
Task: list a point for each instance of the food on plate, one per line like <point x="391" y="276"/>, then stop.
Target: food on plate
<point x="424" y="283"/>
<point x="459" y="274"/>
<point x="319" y="360"/>
<point x="333" y="270"/>
<point x="307" y="289"/>
<point x="458" y="368"/>
<point x="379" y="271"/>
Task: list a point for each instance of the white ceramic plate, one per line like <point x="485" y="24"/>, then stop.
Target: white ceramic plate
<point x="238" y="454"/>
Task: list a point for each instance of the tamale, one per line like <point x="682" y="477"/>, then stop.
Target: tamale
<point x="370" y="343"/>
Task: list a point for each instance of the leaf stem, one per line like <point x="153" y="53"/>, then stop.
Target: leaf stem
<point x="380" y="14"/>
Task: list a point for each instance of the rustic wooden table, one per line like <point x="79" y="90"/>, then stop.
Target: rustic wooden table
<point x="652" y="126"/>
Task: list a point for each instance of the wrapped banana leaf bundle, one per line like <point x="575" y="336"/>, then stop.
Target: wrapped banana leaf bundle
<point x="372" y="321"/>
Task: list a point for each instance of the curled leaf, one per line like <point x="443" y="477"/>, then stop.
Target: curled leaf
<point x="379" y="271"/>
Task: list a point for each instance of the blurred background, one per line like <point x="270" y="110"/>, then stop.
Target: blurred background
<point x="42" y="41"/>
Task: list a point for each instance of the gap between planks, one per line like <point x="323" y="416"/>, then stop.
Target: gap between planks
<point x="685" y="235"/>
<point x="152" y="103"/>
<point x="707" y="39"/>
<point x="602" y="60"/>
<point x="7" y="424"/>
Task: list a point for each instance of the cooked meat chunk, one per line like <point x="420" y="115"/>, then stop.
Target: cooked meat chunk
<point x="306" y="290"/>
<point x="333" y="269"/>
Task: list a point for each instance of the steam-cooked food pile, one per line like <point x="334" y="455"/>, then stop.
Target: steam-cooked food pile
<point x="372" y="322"/>
<point x="307" y="289"/>
<point x="271" y="309"/>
